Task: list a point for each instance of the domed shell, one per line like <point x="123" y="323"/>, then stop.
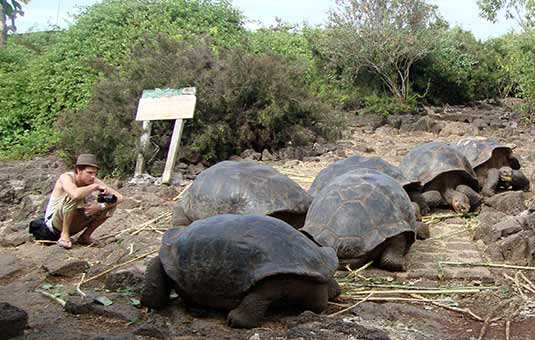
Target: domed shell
<point x="427" y="161"/>
<point x="480" y="150"/>
<point x="358" y="211"/>
<point x="222" y="257"/>
<point x="354" y="162"/>
<point x="231" y="187"/>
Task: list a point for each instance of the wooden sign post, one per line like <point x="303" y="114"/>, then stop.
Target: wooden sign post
<point x="162" y="104"/>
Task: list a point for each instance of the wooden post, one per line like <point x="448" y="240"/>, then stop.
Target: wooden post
<point x="143" y="143"/>
<point x="173" y="148"/>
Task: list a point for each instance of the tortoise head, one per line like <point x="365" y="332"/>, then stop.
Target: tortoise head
<point x="506" y="174"/>
<point x="460" y="203"/>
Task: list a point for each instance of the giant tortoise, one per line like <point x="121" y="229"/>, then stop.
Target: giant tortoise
<point x="232" y="187"/>
<point x="365" y="215"/>
<point x="242" y="263"/>
<point x="447" y="176"/>
<point x="412" y="187"/>
<point x="494" y="164"/>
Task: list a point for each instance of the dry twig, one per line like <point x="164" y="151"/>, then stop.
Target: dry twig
<point x="118" y="266"/>
<point x="79" y="284"/>
<point x="179" y="196"/>
<point x="53" y="297"/>
<point x="491" y="265"/>
<point x="350" y="307"/>
<point x="455" y="309"/>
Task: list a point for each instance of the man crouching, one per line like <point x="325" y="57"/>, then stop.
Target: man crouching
<point x="68" y="212"/>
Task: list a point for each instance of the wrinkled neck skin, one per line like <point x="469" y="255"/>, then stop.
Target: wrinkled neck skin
<point x="449" y="194"/>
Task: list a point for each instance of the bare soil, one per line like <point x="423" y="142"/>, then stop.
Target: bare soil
<point x="503" y="307"/>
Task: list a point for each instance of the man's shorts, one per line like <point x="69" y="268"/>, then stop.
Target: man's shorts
<point x="80" y="218"/>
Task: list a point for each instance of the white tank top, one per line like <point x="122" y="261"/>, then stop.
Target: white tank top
<point x="53" y="204"/>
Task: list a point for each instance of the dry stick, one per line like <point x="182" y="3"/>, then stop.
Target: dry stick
<point x="528" y="281"/>
<point x="119" y="265"/>
<point x="147" y="225"/>
<point x="167" y="214"/>
<point x="410" y="287"/>
<point x="445" y="236"/>
<point x="384" y="298"/>
<point x="353" y="273"/>
<point x="516" y="285"/>
<point x="183" y="191"/>
<point x="55" y="298"/>
<point x="489" y="319"/>
<point x="479" y="264"/>
<point x="350" y="307"/>
<point x="455" y="309"/>
<point x="45" y="241"/>
<point x="78" y="286"/>
<point x="438" y="291"/>
<point x="438" y="218"/>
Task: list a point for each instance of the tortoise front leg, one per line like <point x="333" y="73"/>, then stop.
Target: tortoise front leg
<point x="393" y="256"/>
<point x="491" y="182"/>
<point x="474" y="197"/>
<point x="419" y="199"/>
<point x="157" y="285"/>
<point x="520" y="181"/>
<point x="433" y="198"/>
<point x="422" y="231"/>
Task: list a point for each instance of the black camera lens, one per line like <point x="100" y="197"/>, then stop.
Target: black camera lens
<point x="106" y="198"/>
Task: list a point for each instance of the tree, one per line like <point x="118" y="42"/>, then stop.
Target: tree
<point x="9" y="10"/>
<point x="385" y="36"/>
<point x="523" y="11"/>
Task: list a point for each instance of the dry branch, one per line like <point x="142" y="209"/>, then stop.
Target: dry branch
<point x="118" y="266"/>
<point x="350" y="307"/>
<point x="455" y="309"/>
<point x="491" y="265"/>
<point x="53" y="297"/>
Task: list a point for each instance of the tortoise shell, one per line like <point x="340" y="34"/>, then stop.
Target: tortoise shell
<point x="358" y="211"/>
<point x="478" y="151"/>
<point x="428" y="161"/>
<point x="232" y="187"/>
<point x="354" y="162"/>
<point x="222" y="257"/>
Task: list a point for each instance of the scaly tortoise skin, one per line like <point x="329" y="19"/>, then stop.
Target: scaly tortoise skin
<point x="365" y="215"/>
<point x="232" y="187"/>
<point x="242" y="263"/>
<point x="494" y="165"/>
<point x="445" y="173"/>
<point x="413" y="187"/>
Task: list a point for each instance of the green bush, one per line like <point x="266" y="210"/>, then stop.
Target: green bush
<point x="244" y="100"/>
<point x="60" y="77"/>
<point x="460" y="69"/>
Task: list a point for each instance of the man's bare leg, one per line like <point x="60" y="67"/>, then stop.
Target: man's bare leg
<point x="65" y="236"/>
<point x="86" y="238"/>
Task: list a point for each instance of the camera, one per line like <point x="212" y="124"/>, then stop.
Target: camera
<point x="106" y="198"/>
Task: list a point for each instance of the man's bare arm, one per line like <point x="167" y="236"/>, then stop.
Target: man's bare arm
<point x="77" y="193"/>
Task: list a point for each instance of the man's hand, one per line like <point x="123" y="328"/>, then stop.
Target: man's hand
<point x="92" y="209"/>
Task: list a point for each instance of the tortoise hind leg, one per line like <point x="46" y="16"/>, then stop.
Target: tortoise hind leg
<point x="311" y="295"/>
<point x="422" y="231"/>
<point x="474" y="198"/>
<point x="393" y="255"/>
<point x="520" y="181"/>
<point x="491" y="182"/>
<point x="254" y="305"/>
<point x="433" y="198"/>
<point x="418" y="198"/>
<point x="157" y="285"/>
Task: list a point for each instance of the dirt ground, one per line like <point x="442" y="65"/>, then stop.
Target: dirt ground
<point x="432" y="300"/>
